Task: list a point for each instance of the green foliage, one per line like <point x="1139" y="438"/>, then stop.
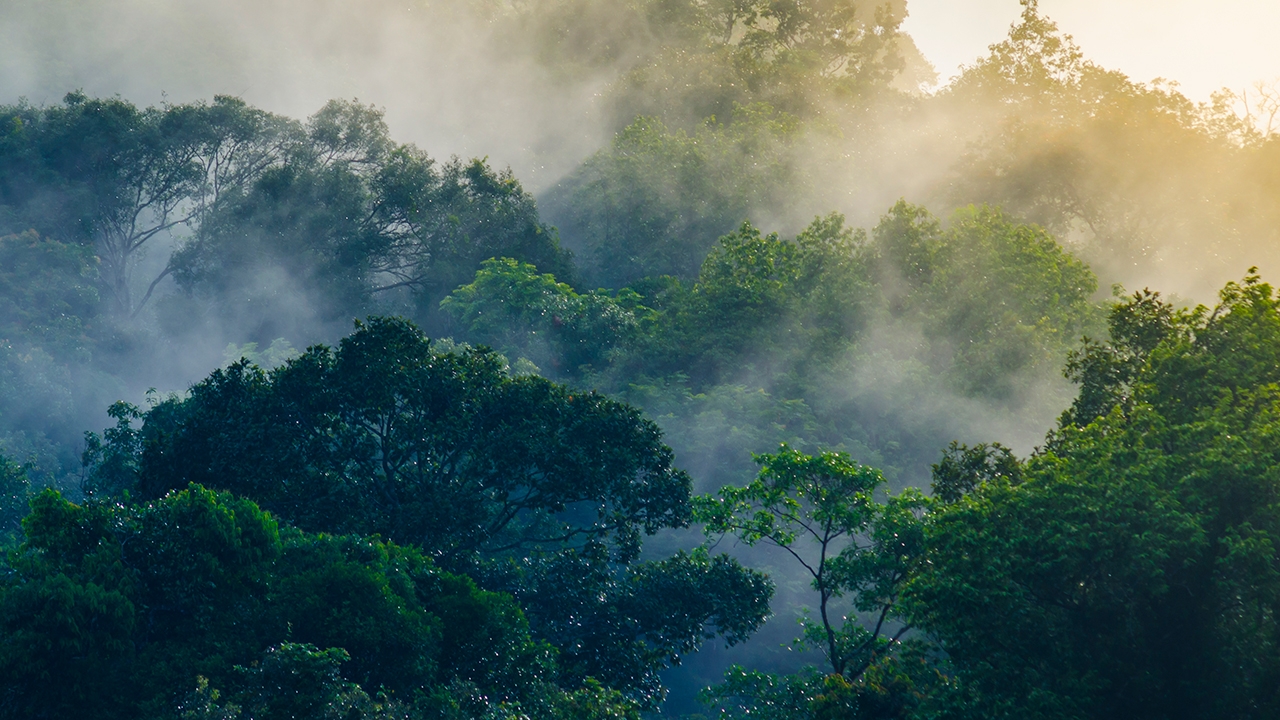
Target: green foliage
<point x="797" y="56"/>
<point x="1105" y="371"/>
<point x="997" y="300"/>
<point x="759" y="295"/>
<point x="348" y="216"/>
<point x="748" y="693"/>
<point x="15" y="492"/>
<point x="47" y="292"/>
<point x="963" y="468"/>
<point x="111" y="459"/>
<point x="620" y="626"/>
<point x="335" y="204"/>
<point x="533" y="488"/>
<point x="654" y="201"/>
<point x="1127" y="569"/>
<point x="291" y="680"/>
<point x="49" y="330"/>
<point x="386" y="435"/>
<point x="593" y="701"/>
<point x="126" y="606"/>
<point x="824" y="511"/>
<point x="89" y="185"/>
<point x="106" y="175"/>
<point x="757" y="299"/>
<point x="772" y="342"/>
<point x="865" y="549"/>
<point x="996" y="296"/>
<point x="511" y="307"/>
<point x="906" y="685"/>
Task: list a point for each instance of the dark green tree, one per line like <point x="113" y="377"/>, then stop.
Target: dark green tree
<point x="531" y="487"/>
<point x="112" y="611"/>
<point x="384" y="434"/>
<point x="108" y="176"/>
<point x="1129" y="568"/>
<point x="348" y="218"/>
<point x="15" y="492"/>
<point x="292" y="680"/>
<point x="997" y="298"/>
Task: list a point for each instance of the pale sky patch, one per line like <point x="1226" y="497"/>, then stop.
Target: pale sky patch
<point x="1203" y="45"/>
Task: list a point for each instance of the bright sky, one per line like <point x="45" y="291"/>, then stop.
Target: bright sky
<point x="1202" y="44"/>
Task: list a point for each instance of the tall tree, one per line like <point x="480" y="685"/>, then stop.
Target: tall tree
<point x="92" y="187"/>
<point x="111" y="611"/>
<point x="349" y="220"/>
<point x="822" y="511"/>
<point x="111" y="176"/>
<point x="533" y="488"/>
<point x="1128" y="569"/>
<point x="859" y="553"/>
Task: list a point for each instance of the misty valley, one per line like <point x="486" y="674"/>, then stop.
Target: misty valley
<point x="774" y="379"/>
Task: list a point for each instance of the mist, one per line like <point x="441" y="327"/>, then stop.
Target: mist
<point x="456" y="78"/>
<point x="613" y="147"/>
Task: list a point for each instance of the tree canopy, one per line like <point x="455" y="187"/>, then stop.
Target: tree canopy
<point x="1126" y="568"/>
<point x="533" y="488"/>
<point x="483" y="502"/>
<point x="127" y="605"/>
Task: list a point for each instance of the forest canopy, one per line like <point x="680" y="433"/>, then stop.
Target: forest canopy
<point x="799" y="395"/>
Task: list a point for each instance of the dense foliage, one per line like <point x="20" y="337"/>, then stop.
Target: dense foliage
<point x="656" y="199"/>
<point x="998" y="304"/>
<point x="126" y="606"/>
<point x="1128" y="567"/>
<point x="495" y="521"/>
<point x="530" y="487"/>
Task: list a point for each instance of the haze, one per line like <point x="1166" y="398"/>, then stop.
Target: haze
<point x="1201" y="45"/>
<point x="290" y="57"/>
<point x="751" y="227"/>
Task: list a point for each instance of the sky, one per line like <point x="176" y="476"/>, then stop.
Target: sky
<point x="1203" y="45"/>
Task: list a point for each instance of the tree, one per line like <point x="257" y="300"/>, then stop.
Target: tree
<point x="50" y="330"/>
<point x="110" y="176"/>
<point x="861" y="547"/>
<point x="1140" y="175"/>
<point x="822" y="511"/>
<point x="1128" y="569"/>
<point x="511" y="307"/>
<point x="762" y="300"/>
<point x="533" y="488"/>
<point x="442" y="450"/>
<point x="801" y="57"/>
<point x="47" y="293"/>
<point x="127" y="605"/>
<point x="655" y="200"/>
<point x="998" y="297"/>
<point x="292" y="680"/>
<point x="15" y="492"/>
<point x="350" y="219"/>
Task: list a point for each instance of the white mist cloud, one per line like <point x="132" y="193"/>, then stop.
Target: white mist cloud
<point x="449" y="76"/>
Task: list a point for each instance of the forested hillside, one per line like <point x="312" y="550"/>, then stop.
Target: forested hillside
<point x="812" y="390"/>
